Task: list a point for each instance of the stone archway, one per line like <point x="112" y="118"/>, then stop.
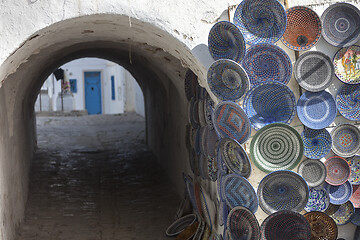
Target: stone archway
<point x="156" y="59"/>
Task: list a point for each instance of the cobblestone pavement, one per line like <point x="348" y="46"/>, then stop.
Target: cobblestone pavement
<point x="93" y="178"/>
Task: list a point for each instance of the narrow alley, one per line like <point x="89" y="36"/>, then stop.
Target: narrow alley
<point x="93" y="178"/>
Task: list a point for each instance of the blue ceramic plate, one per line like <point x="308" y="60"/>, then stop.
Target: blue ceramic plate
<point x="319" y="200"/>
<point x="341" y="24"/>
<point x="316" y="110"/>
<point x="344" y="213"/>
<point x="237" y="191"/>
<point x="231" y="121"/>
<point x="339" y="194"/>
<point x="266" y="62"/>
<point x="354" y="163"/>
<point x="282" y="190"/>
<point x="317" y="143"/>
<point x="261" y="21"/>
<point x="270" y="102"/>
<point x="225" y="41"/>
<point x="227" y="80"/>
<point x="235" y="157"/>
<point x="348" y="101"/>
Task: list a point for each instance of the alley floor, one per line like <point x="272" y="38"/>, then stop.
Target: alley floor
<point x="93" y="178"/>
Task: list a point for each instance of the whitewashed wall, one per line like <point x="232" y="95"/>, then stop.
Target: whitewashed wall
<point x="128" y="94"/>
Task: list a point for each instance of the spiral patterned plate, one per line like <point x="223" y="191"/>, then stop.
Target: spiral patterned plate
<point x="265" y="62"/>
<point x="347" y="64"/>
<point x="338" y="170"/>
<point x="235" y="157"/>
<point x="339" y="194"/>
<point x="317" y="143"/>
<point x="314" y="71"/>
<point x="287" y="225"/>
<point x="231" y="121"/>
<point x="348" y="101"/>
<point x="303" y="29"/>
<point x="260" y="21"/>
<point x="282" y="190"/>
<point x="341" y="24"/>
<point x="237" y="191"/>
<point x="345" y="140"/>
<point x="316" y="110"/>
<point x="227" y="80"/>
<point x="276" y="147"/>
<point x="344" y="214"/>
<point x="225" y="41"/>
<point x="313" y="171"/>
<point x="319" y="199"/>
<point x="242" y="224"/>
<point x="269" y="102"/>
<point x="322" y="226"/>
<point x="354" y="163"/>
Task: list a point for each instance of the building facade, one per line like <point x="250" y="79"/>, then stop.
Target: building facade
<point x="92" y="85"/>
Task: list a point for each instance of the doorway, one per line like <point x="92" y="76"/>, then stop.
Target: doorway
<point x="93" y="92"/>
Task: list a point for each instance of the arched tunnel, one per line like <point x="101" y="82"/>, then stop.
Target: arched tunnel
<point x="156" y="60"/>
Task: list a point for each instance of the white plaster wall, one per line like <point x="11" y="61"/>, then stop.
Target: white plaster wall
<point x="139" y="99"/>
<point x="134" y="101"/>
<point x="76" y="101"/>
<point x="188" y="21"/>
<point x="42" y="102"/>
<point x="75" y="70"/>
<point x="118" y="104"/>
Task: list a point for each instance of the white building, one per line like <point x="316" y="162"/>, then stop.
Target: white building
<point x="96" y="86"/>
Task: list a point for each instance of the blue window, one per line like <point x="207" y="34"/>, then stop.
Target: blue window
<point x="73" y="85"/>
<point x="112" y="88"/>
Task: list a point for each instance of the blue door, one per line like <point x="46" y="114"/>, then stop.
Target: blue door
<point x="93" y="92"/>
